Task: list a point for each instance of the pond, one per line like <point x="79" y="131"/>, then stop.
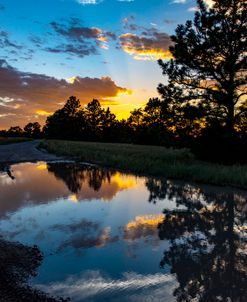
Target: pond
<point x="111" y="236"/>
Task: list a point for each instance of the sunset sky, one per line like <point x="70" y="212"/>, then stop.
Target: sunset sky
<point x="104" y="49"/>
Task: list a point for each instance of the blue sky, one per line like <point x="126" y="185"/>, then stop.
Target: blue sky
<point x="106" y="49"/>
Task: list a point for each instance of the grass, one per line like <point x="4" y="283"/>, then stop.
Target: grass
<point x="11" y="140"/>
<point x="151" y="160"/>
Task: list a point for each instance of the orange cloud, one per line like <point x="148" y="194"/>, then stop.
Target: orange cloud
<point x="29" y="96"/>
<point x="43" y="112"/>
<point x="152" y="45"/>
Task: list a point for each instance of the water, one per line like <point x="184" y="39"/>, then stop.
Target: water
<point x="111" y="236"/>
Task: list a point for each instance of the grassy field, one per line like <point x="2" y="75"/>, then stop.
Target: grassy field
<point x="151" y="160"/>
<point x="11" y="140"/>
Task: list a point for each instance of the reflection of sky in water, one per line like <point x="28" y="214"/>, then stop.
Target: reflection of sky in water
<point x="91" y="224"/>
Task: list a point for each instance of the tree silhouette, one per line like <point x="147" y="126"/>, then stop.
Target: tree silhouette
<point x="210" y="61"/>
<point x="73" y="122"/>
<point x="67" y="122"/>
<point x="209" y="66"/>
<point x="100" y="122"/>
<point x="94" y="114"/>
<point x="207" y="238"/>
<point x="74" y="175"/>
<point x="15" y="131"/>
<point x="109" y="126"/>
<point x="32" y="130"/>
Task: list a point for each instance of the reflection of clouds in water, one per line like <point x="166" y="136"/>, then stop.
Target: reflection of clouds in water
<point x="73" y="198"/>
<point x="83" y="233"/>
<point x="142" y="227"/>
<point x="31" y="185"/>
<point x="88" y="234"/>
<point x="82" y="225"/>
<point x="42" y="183"/>
<point x="131" y="287"/>
<point x="5" y="180"/>
<point x="42" y="166"/>
<point x="85" y="240"/>
<point x="142" y="230"/>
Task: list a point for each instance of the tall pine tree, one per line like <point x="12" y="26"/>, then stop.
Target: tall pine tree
<point x="209" y="65"/>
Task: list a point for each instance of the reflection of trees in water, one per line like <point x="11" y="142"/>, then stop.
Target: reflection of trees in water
<point x="208" y="240"/>
<point x="17" y="264"/>
<point x="6" y="169"/>
<point x="75" y="175"/>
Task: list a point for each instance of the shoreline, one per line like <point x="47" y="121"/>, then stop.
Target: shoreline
<point x="169" y="163"/>
<point x="142" y="160"/>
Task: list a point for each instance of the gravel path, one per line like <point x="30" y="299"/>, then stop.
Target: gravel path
<point x="24" y="152"/>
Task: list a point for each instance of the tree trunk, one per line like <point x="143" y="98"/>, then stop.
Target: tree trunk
<point x="230" y="119"/>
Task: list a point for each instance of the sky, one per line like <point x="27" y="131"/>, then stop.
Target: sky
<point x="103" y="49"/>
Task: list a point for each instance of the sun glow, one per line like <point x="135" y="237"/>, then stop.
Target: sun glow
<point x="73" y="198"/>
<point x="43" y="112"/>
<point x="123" y="181"/>
<point x="42" y="167"/>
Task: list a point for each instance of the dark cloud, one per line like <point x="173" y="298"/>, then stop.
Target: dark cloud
<point x="75" y="32"/>
<point x="89" y="237"/>
<point x="29" y="95"/>
<point x="13" y="51"/>
<point x="72" y="38"/>
<point x="169" y="21"/>
<point x="150" y="45"/>
<point x="83" y="224"/>
<point x="6" y="42"/>
<point x="110" y="35"/>
<point x="79" y="40"/>
<point x="37" y="41"/>
<point x="79" y="50"/>
<point x="129" y="24"/>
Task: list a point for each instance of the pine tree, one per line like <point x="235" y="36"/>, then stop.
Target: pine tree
<point x="209" y="66"/>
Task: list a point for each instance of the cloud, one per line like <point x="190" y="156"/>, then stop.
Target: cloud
<point x="150" y="45"/>
<point x="79" y="50"/>
<point x="25" y="95"/>
<point x="169" y="21"/>
<point x="88" y="237"/>
<point x="128" y="23"/>
<point x="179" y="1"/>
<point x="74" y="31"/>
<point x="209" y="3"/>
<point x="85" y="2"/>
<point x="93" y="285"/>
<point x="142" y="227"/>
<point x="193" y="9"/>
<point x="6" y="42"/>
<point x="79" y="40"/>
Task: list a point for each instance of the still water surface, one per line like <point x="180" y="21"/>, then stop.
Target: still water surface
<point x="111" y="236"/>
